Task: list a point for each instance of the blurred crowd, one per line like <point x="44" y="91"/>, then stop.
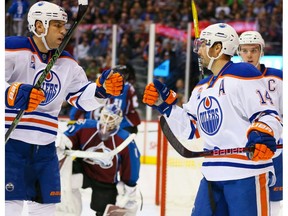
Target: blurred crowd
<point x="92" y="45"/>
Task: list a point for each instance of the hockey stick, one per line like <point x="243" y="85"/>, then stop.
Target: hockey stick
<point x="83" y="6"/>
<point x="180" y="148"/>
<point x="197" y="33"/>
<point x="100" y="155"/>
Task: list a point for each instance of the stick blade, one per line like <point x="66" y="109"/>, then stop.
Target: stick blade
<point x="174" y="142"/>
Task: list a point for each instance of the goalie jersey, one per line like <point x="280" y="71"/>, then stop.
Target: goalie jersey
<point x="222" y="108"/>
<point x="84" y="136"/>
<point x="65" y="81"/>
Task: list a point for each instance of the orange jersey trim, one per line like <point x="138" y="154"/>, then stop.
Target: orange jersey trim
<point x="34" y="121"/>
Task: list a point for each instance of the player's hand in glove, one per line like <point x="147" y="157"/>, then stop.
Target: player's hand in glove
<point x="126" y="197"/>
<point x="23" y="96"/>
<point x="261" y="138"/>
<point x="110" y="83"/>
<point x="158" y="96"/>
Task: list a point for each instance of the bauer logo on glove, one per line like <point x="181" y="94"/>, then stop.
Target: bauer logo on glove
<point x="260" y="137"/>
<point x="23" y="96"/>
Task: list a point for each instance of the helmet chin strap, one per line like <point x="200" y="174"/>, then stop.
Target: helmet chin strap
<point x="212" y="59"/>
<point x="45" y="43"/>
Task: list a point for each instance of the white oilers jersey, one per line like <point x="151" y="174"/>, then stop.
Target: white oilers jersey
<point x="65" y="81"/>
<point x="224" y="107"/>
<point x="274" y="82"/>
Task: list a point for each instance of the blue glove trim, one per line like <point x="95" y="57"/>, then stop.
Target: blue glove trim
<point x="255" y="137"/>
<point x="22" y="97"/>
<point x="101" y="93"/>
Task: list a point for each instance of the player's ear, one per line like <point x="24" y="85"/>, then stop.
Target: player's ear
<point x="217" y="47"/>
<point x="39" y="27"/>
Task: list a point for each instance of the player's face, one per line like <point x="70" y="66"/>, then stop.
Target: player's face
<point x="250" y="53"/>
<point x="202" y="53"/>
<point x="56" y="32"/>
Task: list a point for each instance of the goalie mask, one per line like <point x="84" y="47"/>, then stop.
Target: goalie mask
<point x="110" y="118"/>
<point x="220" y="32"/>
<point x="45" y="12"/>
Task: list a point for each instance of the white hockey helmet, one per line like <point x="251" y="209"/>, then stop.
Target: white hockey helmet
<point x="110" y="118"/>
<point x="45" y="11"/>
<point x="252" y="37"/>
<point x="224" y="33"/>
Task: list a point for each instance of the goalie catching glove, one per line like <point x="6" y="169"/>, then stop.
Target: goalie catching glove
<point x="110" y="83"/>
<point x="261" y="137"/>
<point x="23" y="96"/>
<point x="126" y="197"/>
<point x="158" y="96"/>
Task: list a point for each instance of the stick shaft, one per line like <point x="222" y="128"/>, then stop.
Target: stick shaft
<point x="197" y="34"/>
<point x="183" y="151"/>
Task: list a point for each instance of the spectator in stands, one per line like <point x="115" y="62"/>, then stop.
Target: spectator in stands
<point x="130" y="73"/>
<point x="258" y="7"/>
<point x="136" y="44"/>
<point x="66" y="5"/>
<point x="81" y="50"/>
<point x="134" y="20"/>
<point x="208" y="12"/>
<point x="269" y="6"/>
<point x="96" y="50"/>
<point x="17" y="11"/>
<point x="180" y="86"/>
<point x="125" y="48"/>
<point x="93" y="70"/>
<point x="223" y="6"/>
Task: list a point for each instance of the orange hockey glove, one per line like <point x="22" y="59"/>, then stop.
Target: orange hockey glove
<point x="160" y="97"/>
<point x="110" y="83"/>
<point x="261" y="137"/>
<point x="23" y="96"/>
<point x="151" y="95"/>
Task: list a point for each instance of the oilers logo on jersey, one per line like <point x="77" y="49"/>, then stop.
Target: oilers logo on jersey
<point x="51" y="86"/>
<point x="210" y="115"/>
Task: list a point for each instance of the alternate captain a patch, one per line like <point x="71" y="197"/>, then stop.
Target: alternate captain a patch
<point x="209" y="115"/>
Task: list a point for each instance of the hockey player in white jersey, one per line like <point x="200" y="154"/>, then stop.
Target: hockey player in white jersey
<point x="230" y="110"/>
<point x="251" y="49"/>
<point x="31" y="163"/>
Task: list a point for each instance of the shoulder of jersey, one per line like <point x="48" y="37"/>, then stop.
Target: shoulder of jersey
<point x="67" y="55"/>
<point x="242" y="70"/>
<point x="123" y="134"/>
<point x="274" y="72"/>
<point x="16" y="42"/>
<point x="87" y="123"/>
<point x="21" y="42"/>
<point x="205" y="80"/>
<point x="90" y="123"/>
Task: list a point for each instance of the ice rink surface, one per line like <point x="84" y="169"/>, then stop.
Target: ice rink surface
<point x="146" y="184"/>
